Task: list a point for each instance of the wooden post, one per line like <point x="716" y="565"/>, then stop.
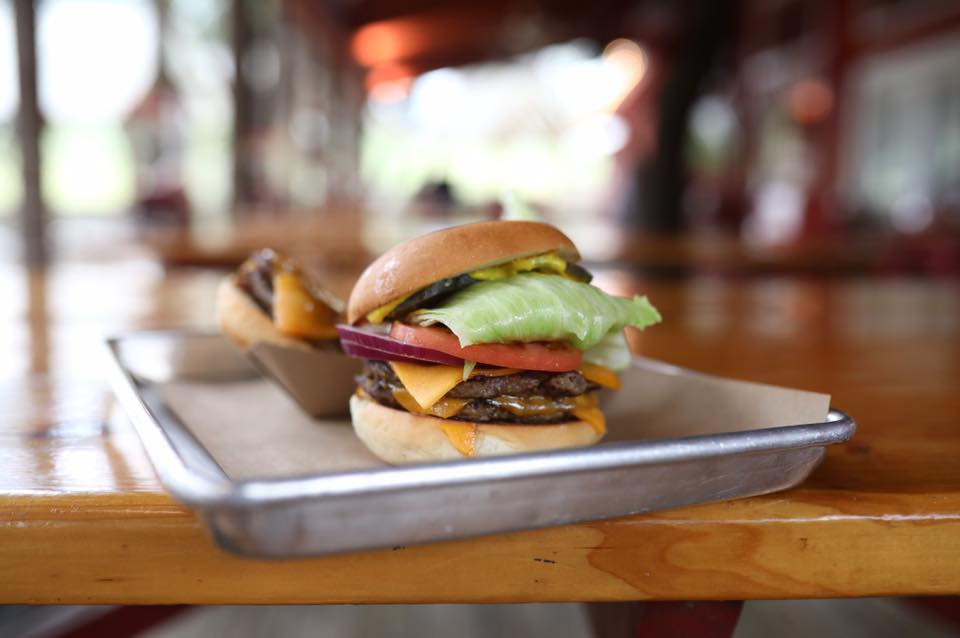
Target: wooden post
<point x="29" y="126"/>
<point x="661" y="182"/>
<point x="242" y="178"/>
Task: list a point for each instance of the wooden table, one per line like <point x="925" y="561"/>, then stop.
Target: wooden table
<point x="83" y="519"/>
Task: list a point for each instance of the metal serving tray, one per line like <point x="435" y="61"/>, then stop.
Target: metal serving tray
<point x="382" y="506"/>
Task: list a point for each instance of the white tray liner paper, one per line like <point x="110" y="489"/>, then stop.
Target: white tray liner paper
<point x="253" y="430"/>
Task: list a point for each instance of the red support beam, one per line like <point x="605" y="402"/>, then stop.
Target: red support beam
<point x="670" y="619"/>
<point x="123" y="621"/>
<point x="825" y="211"/>
<point x="913" y="31"/>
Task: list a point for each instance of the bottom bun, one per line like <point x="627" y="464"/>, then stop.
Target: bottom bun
<point x="398" y="437"/>
<point x="242" y="320"/>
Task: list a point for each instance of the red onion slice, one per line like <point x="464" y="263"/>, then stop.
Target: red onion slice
<point x="363" y="344"/>
<point x="363" y="352"/>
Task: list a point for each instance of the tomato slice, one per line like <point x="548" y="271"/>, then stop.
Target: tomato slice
<point x="548" y="356"/>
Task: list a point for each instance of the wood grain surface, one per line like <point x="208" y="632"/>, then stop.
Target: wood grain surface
<point x="83" y="519"/>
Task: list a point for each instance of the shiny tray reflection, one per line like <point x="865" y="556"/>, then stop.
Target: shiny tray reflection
<point x="382" y="506"/>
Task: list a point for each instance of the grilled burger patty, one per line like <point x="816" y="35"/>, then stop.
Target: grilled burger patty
<point x="256" y="278"/>
<point x="490" y="398"/>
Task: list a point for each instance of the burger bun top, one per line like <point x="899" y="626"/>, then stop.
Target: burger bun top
<point x="421" y="261"/>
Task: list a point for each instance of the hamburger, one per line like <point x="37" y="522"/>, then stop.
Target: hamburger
<point x="270" y="299"/>
<point x="484" y="339"/>
<point x="286" y="324"/>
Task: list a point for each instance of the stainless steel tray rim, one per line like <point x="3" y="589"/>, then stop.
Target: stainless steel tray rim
<point x="188" y="486"/>
<point x="612" y="456"/>
<point x="193" y="489"/>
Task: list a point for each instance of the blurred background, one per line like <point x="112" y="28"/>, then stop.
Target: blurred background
<point x="779" y="142"/>
<point x="728" y="156"/>
<point x="801" y="136"/>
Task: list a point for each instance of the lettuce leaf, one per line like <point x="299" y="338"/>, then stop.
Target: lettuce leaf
<point x="611" y="352"/>
<point x="537" y="307"/>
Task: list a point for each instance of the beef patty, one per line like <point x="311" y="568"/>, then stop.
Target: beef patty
<point x="255" y="278"/>
<point x="489" y="397"/>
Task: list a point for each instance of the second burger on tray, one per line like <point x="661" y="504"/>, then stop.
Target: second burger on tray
<point x="484" y="339"/>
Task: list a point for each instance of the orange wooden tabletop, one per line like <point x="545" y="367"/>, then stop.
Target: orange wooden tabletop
<point x="83" y="519"/>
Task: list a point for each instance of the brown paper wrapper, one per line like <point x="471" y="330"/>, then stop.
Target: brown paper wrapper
<point x="320" y="381"/>
<point x="253" y="429"/>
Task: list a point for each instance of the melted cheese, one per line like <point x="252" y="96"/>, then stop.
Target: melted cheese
<point x="593" y="416"/>
<point x="444" y="408"/>
<point x="600" y="375"/>
<point x="425" y="387"/>
<point x="298" y="313"/>
<point x="462" y="436"/>
<point x="534" y="406"/>
<point x="428" y="383"/>
<point x="586" y="409"/>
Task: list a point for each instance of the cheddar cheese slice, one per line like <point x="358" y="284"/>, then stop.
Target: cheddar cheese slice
<point x="297" y="313"/>
<point x="593" y="416"/>
<point x="462" y="436"/>
<point x="428" y="383"/>
<point x="600" y="375"/>
<point x="444" y="408"/>
<point x="586" y="408"/>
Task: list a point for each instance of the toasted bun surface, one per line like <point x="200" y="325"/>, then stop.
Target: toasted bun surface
<point x="242" y="320"/>
<point x="419" y="262"/>
<point x="399" y="437"/>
